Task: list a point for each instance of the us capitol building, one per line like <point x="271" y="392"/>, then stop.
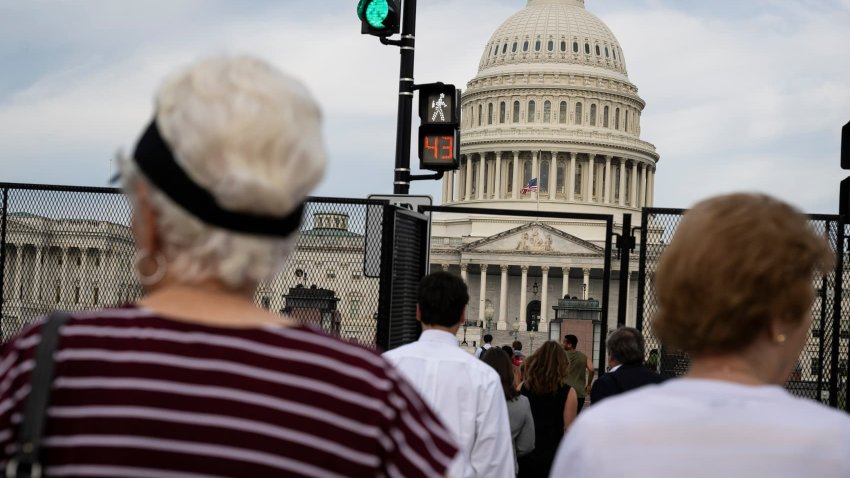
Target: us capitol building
<point x="552" y="101"/>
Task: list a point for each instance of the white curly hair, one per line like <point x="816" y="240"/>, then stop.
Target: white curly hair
<point x="251" y="136"/>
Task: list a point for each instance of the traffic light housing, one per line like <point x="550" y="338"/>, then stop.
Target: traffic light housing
<point x="379" y="17"/>
<point x="845" y="146"/>
<point x="439" y="130"/>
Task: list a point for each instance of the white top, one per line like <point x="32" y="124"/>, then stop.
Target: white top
<point x="481" y="350"/>
<point x="467" y="395"/>
<point x="706" y="428"/>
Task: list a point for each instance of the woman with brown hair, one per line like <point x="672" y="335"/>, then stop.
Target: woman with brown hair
<point x="553" y="405"/>
<point x="519" y="410"/>
<point x="735" y="293"/>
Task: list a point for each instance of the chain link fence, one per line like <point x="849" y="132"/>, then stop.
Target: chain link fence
<point x="71" y="248"/>
<point x="821" y="372"/>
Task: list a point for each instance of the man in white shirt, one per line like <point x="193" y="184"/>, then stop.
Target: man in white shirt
<point x="465" y="392"/>
<point x="488" y="343"/>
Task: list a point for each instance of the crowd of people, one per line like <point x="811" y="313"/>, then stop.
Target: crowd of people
<point x="194" y="380"/>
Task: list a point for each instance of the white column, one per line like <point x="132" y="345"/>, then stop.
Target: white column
<point x="643" y="185"/>
<point x="553" y="174"/>
<point x="590" y="167"/>
<point x="37" y="282"/>
<point x="651" y="186"/>
<point x="503" y="300"/>
<point x="62" y="271"/>
<point x="607" y="199"/>
<point x="479" y="188"/>
<point x="535" y="171"/>
<point x="497" y="188"/>
<point x="482" y="293"/>
<point x="468" y="193"/>
<point x="571" y="178"/>
<point x="586" y="292"/>
<point x="16" y="293"/>
<point x="522" y="293"/>
<point x="544" y="296"/>
<point x="565" y="283"/>
<point x="515" y="179"/>
<point x="622" y="168"/>
<point x="463" y="266"/>
<point x="633" y="195"/>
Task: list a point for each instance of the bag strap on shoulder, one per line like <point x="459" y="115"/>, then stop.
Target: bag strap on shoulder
<point x="26" y="461"/>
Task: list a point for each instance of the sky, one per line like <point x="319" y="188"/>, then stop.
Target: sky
<point x="740" y="94"/>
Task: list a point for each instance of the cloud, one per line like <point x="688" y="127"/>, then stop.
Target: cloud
<point x="740" y="95"/>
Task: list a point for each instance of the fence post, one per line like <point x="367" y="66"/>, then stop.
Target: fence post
<point x="4" y="209"/>
<point x="641" y="298"/>
<point x="606" y="285"/>
<point x="836" y="311"/>
<point x="625" y="249"/>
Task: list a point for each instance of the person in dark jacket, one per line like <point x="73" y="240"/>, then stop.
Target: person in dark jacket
<point x="625" y="360"/>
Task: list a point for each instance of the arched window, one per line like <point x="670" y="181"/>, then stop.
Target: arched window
<point x="547" y="111"/>
<point x="617" y="118"/>
<point x="544" y="176"/>
<point x="563" y="46"/>
<point x="606" y="52"/>
<point x="480" y="114"/>
<point x="626" y="121"/>
<point x="598" y="52"/>
<point x="559" y="178"/>
<point x="593" y="115"/>
<point x="575" y="47"/>
<point x="579" y="113"/>
<point x="525" y="45"/>
<point x="577" y="180"/>
<point x="513" y="48"/>
<point x="502" y="112"/>
<point x="510" y="177"/>
<point x="490" y="113"/>
<point x="562" y="113"/>
<point x="526" y="171"/>
<point x="505" y="48"/>
<point x="605" y="117"/>
<point x="537" y="45"/>
<point x="531" y="111"/>
<point x="614" y="52"/>
<point x="516" y="112"/>
<point x="587" y="48"/>
<point x="550" y="46"/>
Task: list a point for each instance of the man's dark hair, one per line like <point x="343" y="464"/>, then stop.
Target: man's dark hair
<point x="487" y="337"/>
<point x="626" y="346"/>
<point x="517" y="345"/>
<point x="442" y="298"/>
<point x="572" y="340"/>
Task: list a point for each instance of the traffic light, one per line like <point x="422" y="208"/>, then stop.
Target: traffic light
<point x="379" y="17"/>
<point x="439" y="133"/>
<point x="845" y="146"/>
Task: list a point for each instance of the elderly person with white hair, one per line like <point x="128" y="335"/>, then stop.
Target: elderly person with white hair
<point x="194" y="379"/>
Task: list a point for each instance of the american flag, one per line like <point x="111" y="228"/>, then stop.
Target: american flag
<point x="530" y="187"/>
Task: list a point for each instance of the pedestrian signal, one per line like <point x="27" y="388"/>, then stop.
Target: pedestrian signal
<point x="439" y="134"/>
<point x="379" y="17"/>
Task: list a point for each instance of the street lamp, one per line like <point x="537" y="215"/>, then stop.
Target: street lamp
<point x="489" y="312"/>
<point x="464" y="334"/>
<point x="516" y="328"/>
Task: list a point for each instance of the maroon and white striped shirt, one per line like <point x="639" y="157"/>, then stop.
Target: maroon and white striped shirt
<point x="138" y="395"/>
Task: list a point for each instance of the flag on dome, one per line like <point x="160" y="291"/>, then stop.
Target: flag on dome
<point x="530" y="187"/>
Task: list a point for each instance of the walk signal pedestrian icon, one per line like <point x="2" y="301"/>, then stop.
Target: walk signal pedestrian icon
<point x="438" y="106"/>
<point x="439" y="134"/>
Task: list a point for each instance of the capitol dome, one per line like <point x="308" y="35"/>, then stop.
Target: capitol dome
<point x="554" y="33"/>
<point x="552" y="104"/>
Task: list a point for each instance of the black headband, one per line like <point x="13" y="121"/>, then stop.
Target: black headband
<point x="154" y="159"/>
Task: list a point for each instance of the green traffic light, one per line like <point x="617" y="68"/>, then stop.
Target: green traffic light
<point x="376" y="12"/>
